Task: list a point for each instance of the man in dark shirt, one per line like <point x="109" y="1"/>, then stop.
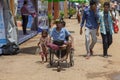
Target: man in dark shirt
<point x="25" y="13"/>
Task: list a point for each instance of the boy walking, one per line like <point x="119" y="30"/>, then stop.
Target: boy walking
<point x="90" y="15"/>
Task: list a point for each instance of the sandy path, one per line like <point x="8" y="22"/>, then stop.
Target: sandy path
<point x="27" y="66"/>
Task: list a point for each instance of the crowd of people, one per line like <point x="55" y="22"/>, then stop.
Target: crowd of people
<point x="95" y="20"/>
<point x="99" y="19"/>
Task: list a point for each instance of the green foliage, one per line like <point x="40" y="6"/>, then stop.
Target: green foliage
<point x="61" y="14"/>
<point x="72" y="11"/>
<point x="50" y="17"/>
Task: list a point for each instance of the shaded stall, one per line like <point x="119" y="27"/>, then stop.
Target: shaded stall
<point x="11" y="36"/>
<point x="32" y="22"/>
<point x="10" y="46"/>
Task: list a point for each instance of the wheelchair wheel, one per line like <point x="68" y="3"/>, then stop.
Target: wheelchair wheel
<point x="71" y="58"/>
<point x="58" y="67"/>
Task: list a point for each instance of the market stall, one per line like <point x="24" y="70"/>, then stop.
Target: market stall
<point x="10" y="33"/>
<point x="9" y="36"/>
<point x="32" y="25"/>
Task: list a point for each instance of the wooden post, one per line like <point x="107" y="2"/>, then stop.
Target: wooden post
<point x="56" y="9"/>
<point x="12" y="7"/>
<point x="65" y="9"/>
<point x="49" y="7"/>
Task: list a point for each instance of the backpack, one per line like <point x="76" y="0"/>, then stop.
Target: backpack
<point x="10" y="49"/>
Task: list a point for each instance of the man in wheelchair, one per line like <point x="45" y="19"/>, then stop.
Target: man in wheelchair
<point x="59" y="34"/>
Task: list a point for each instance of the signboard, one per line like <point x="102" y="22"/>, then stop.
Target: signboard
<point x="2" y="28"/>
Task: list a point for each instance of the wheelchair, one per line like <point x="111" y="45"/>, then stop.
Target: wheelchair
<point x="60" y="54"/>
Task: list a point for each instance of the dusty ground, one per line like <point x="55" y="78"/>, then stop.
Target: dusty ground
<point x="26" y="65"/>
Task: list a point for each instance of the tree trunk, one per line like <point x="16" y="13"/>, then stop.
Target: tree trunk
<point x="49" y="7"/>
<point x="56" y="9"/>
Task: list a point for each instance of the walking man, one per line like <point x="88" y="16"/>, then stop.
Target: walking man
<point x="90" y="15"/>
<point x="106" y="27"/>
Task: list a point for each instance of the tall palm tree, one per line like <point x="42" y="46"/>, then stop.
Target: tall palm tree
<point x="53" y="5"/>
<point x="50" y="6"/>
<point x="56" y="8"/>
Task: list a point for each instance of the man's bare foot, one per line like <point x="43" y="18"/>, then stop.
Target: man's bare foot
<point x="88" y="56"/>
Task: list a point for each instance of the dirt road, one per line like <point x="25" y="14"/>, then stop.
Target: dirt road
<point x="26" y="65"/>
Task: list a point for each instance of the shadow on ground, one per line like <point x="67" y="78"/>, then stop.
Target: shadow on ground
<point x="114" y="76"/>
<point x="94" y="55"/>
<point x="28" y="50"/>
